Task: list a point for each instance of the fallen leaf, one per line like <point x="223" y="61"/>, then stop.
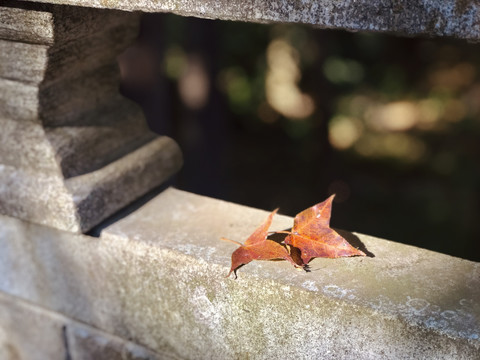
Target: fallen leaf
<point x="258" y="247"/>
<point x="312" y="234"/>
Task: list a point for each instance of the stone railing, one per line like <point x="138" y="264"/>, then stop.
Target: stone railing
<point x="73" y="152"/>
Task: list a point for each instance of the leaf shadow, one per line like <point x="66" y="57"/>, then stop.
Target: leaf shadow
<point x="352" y="239"/>
<point x="235" y="271"/>
<point x="278" y="237"/>
<point x="294" y="252"/>
<point x="355" y="241"/>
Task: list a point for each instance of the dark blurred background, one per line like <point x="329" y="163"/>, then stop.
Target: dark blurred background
<point x="284" y="115"/>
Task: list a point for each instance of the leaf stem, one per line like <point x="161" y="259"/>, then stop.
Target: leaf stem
<point x="279" y="232"/>
<point x="233" y="241"/>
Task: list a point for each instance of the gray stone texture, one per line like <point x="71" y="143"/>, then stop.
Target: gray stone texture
<point x="158" y="277"/>
<point x="38" y="197"/>
<point x="26" y="26"/>
<point x="64" y="121"/>
<point x="79" y="203"/>
<point x="100" y="193"/>
<point x="30" y="332"/>
<point x="18" y="100"/>
<point x="32" y="67"/>
<point x="456" y="18"/>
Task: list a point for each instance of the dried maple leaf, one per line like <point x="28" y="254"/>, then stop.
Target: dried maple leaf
<point x="258" y="247"/>
<point x="312" y="234"/>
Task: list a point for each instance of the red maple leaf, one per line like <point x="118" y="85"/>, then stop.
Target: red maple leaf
<point x="258" y="247"/>
<point x="312" y="234"/>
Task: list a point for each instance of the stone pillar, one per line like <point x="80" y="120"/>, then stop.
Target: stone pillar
<point x="72" y="149"/>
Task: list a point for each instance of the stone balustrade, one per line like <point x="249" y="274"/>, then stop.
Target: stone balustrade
<point x="152" y="285"/>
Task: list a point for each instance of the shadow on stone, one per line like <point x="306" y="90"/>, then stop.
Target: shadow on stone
<point x="355" y="242"/>
<point x="351" y="238"/>
<point x="294" y="252"/>
<point x="278" y="237"/>
<point x="127" y="210"/>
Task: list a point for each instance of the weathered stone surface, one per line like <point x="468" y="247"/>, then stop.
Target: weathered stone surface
<point x="22" y="62"/>
<point x="18" y="100"/>
<point x="38" y="197"/>
<point x="104" y="136"/>
<point x="65" y="102"/>
<point x="95" y="49"/>
<point x="33" y="187"/>
<point x="30" y="332"/>
<point x="76" y="76"/>
<point x="27" y="61"/>
<point x="81" y="202"/>
<point x="72" y="147"/>
<point x="86" y="343"/>
<point x="41" y="24"/>
<point x="27" y="332"/>
<point x="158" y="277"/>
<point x="39" y="155"/>
<point x="31" y="26"/>
<point x="412" y="17"/>
<point x="98" y="194"/>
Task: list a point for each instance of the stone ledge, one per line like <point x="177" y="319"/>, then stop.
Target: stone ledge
<point x="414" y="17"/>
<point x="158" y="277"/>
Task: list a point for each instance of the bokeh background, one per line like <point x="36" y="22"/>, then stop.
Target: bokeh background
<point x="284" y="115"/>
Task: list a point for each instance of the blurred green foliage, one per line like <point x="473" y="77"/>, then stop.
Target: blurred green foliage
<point x="394" y="127"/>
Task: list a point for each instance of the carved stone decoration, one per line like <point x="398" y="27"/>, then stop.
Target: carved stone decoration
<point x="72" y="149"/>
